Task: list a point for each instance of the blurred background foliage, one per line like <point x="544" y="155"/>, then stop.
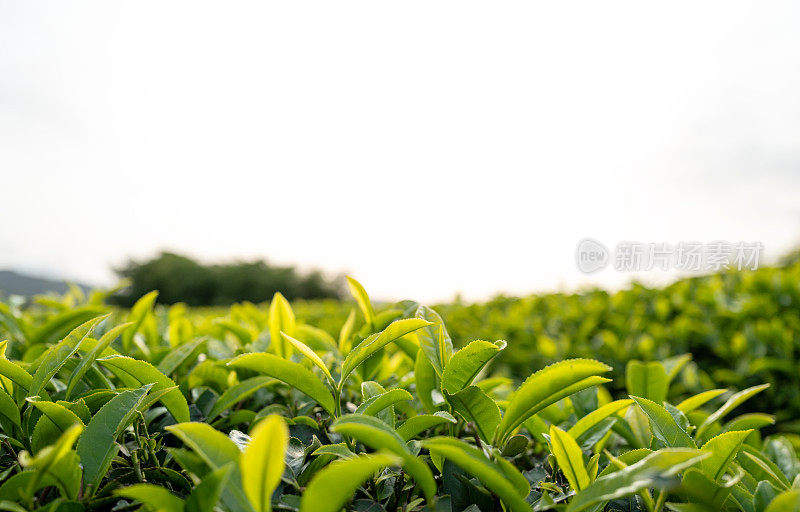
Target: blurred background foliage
<point x="181" y="279"/>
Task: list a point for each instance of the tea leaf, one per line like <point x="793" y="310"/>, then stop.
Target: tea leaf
<point x="569" y="457"/>
<point x="664" y="426"/>
<point x="547" y="386"/>
<point x="311" y="355"/>
<point x="362" y="299"/>
<point x="262" y="462"/>
<point x="154" y="496"/>
<point x="139" y="312"/>
<point x="237" y="393"/>
<point x="417" y="424"/>
<point x="134" y="372"/>
<point x="732" y="403"/>
<point x="475" y="406"/>
<point x="724" y="449"/>
<point x="593" y="418"/>
<point x="59" y="354"/>
<point x="647" y="380"/>
<point x="698" y="400"/>
<point x="289" y="372"/>
<point x="465" y="364"/>
<point x="377" y="341"/>
<point x="334" y="485"/>
<point x="379" y="436"/>
<point x="89" y="359"/>
<point x="217" y="451"/>
<point x="98" y="443"/>
<point x="652" y="471"/>
<point x="205" y="496"/>
<point x="472" y="460"/>
<point x="281" y="318"/>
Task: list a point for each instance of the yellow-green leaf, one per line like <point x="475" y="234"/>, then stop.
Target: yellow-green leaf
<point x="547" y="386"/>
<point x="569" y="457"/>
<point x="362" y="299"/>
<point x="263" y="461"/>
<point x="281" y="318"/>
<point x="311" y="355"/>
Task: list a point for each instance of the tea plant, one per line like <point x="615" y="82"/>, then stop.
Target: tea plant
<point x="185" y="410"/>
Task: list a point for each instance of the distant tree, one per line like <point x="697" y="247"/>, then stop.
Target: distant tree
<point x="182" y="279"/>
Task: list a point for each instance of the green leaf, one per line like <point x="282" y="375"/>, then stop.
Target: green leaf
<point x="547" y="386"/>
<point x="584" y="424"/>
<point x="89" y="359"/>
<point x="787" y="501"/>
<point x="465" y="364"/>
<point x="674" y="365"/>
<point x="98" y="444"/>
<point x="56" y="420"/>
<point x="664" y="426"/>
<point x="378" y="435"/>
<point x="134" y="372"/>
<point x="652" y="471"/>
<point x="347" y="332"/>
<point x="424" y="380"/>
<point x="377" y="341"/>
<point x="207" y="493"/>
<point x="475" y="406"/>
<point x="362" y="299"/>
<point x="749" y="421"/>
<point x="702" y="490"/>
<point x="693" y="402"/>
<point x="15" y="374"/>
<point x="332" y="487"/>
<point x="647" y="380"/>
<point x="138" y="313"/>
<point x="217" y="451"/>
<point x="293" y="374"/>
<point x="765" y="492"/>
<point x="760" y="467"/>
<point x="237" y="393"/>
<point x="724" y="449"/>
<point x="377" y="403"/>
<point x="58" y="355"/>
<point x="416" y="424"/>
<point x="472" y="460"/>
<point x="311" y="355"/>
<point x="569" y="457"/>
<point x="434" y="340"/>
<point x="263" y="461"/>
<point x="9" y="409"/>
<point x="178" y="355"/>
<point x="243" y="335"/>
<point x="732" y="403"/>
<point x="15" y="487"/>
<point x="154" y="496"/>
<point x="58" y="326"/>
<point x="281" y="318"/>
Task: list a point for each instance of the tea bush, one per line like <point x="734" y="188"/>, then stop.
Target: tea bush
<point x="253" y="410"/>
<point x="742" y="327"/>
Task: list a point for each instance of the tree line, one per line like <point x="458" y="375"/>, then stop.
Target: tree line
<point x="179" y="278"/>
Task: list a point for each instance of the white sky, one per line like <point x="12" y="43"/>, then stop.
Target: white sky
<point x="425" y="147"/>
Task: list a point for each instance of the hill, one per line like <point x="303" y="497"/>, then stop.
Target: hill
<point x="14" y="283"/>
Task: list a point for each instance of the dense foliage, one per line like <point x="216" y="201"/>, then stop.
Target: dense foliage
<point x="182" y="279"/>
<point x="743" y="328"/>
<point x="177" y="409"/>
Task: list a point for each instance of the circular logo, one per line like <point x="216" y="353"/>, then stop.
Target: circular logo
<point x="591" y="256"/>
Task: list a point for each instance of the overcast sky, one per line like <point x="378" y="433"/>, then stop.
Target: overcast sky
<point x="427" y="148"/>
